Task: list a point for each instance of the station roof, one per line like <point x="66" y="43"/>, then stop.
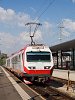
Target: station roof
<point x="65" y="46"/>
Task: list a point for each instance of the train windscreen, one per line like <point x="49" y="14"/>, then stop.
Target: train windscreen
<point x="38" y="56"/>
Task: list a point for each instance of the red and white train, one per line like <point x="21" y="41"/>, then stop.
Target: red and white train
<point x="33" y="62"/>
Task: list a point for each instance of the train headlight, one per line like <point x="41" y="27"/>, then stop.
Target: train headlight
<point x="29" y="67"/>
<point x="32" y="67"/>
<point x="47" y="67"/>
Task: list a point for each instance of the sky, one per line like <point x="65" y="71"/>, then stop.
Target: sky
<point x="56" y="16"/>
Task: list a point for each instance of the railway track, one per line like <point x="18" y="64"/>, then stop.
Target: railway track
<point x="49" y="93"/>
<point x="62" y="80"/>
<point x="69" y="84"/>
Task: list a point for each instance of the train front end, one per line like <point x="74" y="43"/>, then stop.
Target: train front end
<point x="38" y="62"/>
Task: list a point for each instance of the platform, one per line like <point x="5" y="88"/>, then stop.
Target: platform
<point x="59" y="73"/>
<point x="11" y="88"/>
<point x="64" y="74"/>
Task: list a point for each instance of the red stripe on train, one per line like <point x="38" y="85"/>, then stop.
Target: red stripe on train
<point x="37" y="71"/>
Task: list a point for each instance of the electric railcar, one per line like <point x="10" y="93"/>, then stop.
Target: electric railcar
<point x="33" y="62"/>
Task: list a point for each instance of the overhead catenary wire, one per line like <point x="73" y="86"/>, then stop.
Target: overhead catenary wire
<point x="50" y="3"/>
<point x="31" y="23"/>
<point x="40" y="8"/>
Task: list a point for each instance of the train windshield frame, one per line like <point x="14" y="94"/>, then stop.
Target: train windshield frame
<point x="42" y="56"/>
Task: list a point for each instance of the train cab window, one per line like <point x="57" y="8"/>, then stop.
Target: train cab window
<point x="38" y="56"/>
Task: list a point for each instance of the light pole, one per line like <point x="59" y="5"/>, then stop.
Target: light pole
<point x="61" y="27"/>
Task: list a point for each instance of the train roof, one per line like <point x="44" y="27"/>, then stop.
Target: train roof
<point x="34" y="46"/>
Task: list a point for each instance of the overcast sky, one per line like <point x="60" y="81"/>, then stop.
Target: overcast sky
<point x="52" y="14"/>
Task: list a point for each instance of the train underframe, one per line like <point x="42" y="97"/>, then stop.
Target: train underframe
<point x="32" y="77"/>
<point x="38" y="78"/>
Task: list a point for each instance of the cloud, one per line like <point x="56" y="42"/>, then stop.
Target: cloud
<point x="6" y="38"/>
<point x="10" y="42"/>
<point x="32" y="9"/>
<point x="69" y="25"/>
<point x="10" y="17"/>
<point x="25" y="37"/>
<point x="73" y="1"/>
<point x="47" y="25"/>
<point x="6" y="15"/>
<point x="7" y="42"/>
<point x="65" y="33"/>
<point x="47" y="28"/>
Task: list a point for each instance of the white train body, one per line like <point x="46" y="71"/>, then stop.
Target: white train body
<point x="32" y="62"/>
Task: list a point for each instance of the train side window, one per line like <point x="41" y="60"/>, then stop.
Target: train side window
<point x="19" y="58"/>
<point x="8" y="62"/>
<point x="16" y="59"/>
<point x="22" y="55"/>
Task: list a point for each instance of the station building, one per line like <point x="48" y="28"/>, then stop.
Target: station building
<point x="64" y="55"/>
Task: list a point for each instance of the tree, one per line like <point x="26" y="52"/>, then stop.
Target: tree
<point x="3" y="59"/>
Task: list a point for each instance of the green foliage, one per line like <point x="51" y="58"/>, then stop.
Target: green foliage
<point x="3" y="59"/>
